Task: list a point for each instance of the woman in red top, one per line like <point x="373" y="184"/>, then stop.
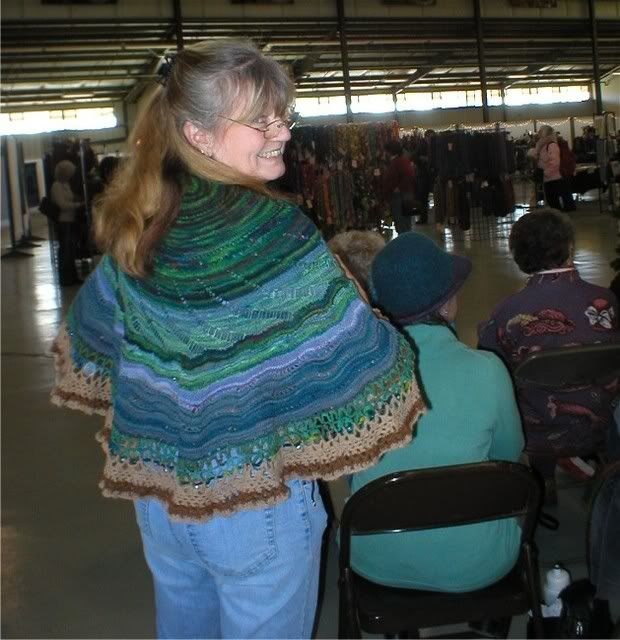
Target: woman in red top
<point x="399" y="186"/>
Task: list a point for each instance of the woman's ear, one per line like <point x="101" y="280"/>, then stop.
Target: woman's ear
<point x="199" y="138"/>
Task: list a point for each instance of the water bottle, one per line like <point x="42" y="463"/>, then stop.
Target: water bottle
<point x="557" y="580"/>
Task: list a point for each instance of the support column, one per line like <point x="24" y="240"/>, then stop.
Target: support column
<point x="394" y="98"/>
<point x="344" y="55"/>
<point x="597" y="74"/>
<point x="504" y="112"/>
<point x="178" y="23"/>
<point x="481" y="61"/>
<point x="125" y="119"/>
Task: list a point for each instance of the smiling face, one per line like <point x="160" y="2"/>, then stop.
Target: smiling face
<point x="248" y="151"/>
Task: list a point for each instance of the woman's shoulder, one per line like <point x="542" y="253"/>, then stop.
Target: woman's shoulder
<point x="58" y="192"/>
<point x="597" y="290"/>
<point x="489" y="373"/>
<point x="509" y="305"/>
<point x="484" y="364"/>
<point x="199" y="188"/>
<point x="490" y="364"/>
<point x="200" y="194"/>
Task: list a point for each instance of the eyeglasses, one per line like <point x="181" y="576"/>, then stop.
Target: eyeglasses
<point x="270" y="130"/>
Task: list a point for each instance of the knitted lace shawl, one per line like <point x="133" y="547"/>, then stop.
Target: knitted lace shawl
<point x="244" y="359"/>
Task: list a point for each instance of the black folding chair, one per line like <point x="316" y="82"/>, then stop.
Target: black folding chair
<point x="569" y="367"/>
<point x="566" y="367"/>
<point x="429" y="499"/>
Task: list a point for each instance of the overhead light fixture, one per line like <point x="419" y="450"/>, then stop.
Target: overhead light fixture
<point x="69" y="96"/>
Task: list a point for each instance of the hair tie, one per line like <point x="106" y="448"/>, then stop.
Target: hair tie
<point x="165" y="69"/>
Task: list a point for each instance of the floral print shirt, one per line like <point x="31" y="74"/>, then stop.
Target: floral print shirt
<point x="557" y="308"/>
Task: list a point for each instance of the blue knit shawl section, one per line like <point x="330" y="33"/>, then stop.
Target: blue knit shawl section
<point x="245" y="358"/>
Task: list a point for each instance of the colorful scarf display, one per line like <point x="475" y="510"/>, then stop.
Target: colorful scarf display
<point x="244" y="359"/>
<point x="336" y="171"/>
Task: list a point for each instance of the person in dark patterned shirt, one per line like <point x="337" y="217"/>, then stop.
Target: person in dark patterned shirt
<point x="556" y="308"/>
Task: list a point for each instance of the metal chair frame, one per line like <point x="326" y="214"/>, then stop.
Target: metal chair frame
<point x="442" y="497"/>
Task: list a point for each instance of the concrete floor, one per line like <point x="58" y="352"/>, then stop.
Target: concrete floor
<point x="72" y="564"/>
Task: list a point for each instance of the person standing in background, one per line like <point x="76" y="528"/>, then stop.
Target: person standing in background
<point x="547" y="155"/>
<point x="62" y="195"/>
<point x="399" y="186"/>
<point x="424" y="179"/>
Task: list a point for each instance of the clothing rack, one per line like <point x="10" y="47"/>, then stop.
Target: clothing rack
<point x="336" y="173"/>
<point x="473" y="183"/>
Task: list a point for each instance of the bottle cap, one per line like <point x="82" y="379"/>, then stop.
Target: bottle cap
<point x="558" y="578"/>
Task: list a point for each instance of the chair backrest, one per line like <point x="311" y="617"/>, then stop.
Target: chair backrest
<point x="570" y="366"/>
<point x="441" y="497"/>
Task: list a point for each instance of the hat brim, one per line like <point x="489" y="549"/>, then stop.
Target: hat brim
<point x="461" y="268"/>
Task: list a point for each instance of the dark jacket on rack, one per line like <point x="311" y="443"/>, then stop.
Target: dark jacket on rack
<point x="450" y="154"/>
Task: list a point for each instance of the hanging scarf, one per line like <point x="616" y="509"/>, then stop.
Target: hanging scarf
<point x="244" y="359"/>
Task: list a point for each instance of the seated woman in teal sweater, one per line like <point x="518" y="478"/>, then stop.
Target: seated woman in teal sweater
<point x="472" y="416"/>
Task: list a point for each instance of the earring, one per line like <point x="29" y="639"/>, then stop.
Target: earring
<point x="443" y="311"/>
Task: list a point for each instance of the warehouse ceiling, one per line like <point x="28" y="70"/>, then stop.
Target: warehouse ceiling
<point x="55" y="64"/>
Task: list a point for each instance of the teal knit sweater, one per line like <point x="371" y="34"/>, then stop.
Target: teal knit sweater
<point x="472" y="417"/>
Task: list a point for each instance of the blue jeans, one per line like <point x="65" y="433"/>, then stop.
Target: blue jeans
<point x="250" y="575"/>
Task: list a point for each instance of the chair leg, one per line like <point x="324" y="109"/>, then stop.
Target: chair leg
<point x="534" y="589"/>
<point x="343" y="627"/>
<point x="348" y="626"/>
<point x="342" y="616"/>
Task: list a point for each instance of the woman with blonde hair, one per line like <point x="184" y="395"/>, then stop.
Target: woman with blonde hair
<point x="232" y="359"/>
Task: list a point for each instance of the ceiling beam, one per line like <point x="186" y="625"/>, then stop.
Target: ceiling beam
<point x="319" y="93"/>
<point x="64" y="79"/>
<point x="131" y="49"/>
<point x="133" y="95"/>
<point x="58" y="105"/>
<point x="420" y="73"/>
